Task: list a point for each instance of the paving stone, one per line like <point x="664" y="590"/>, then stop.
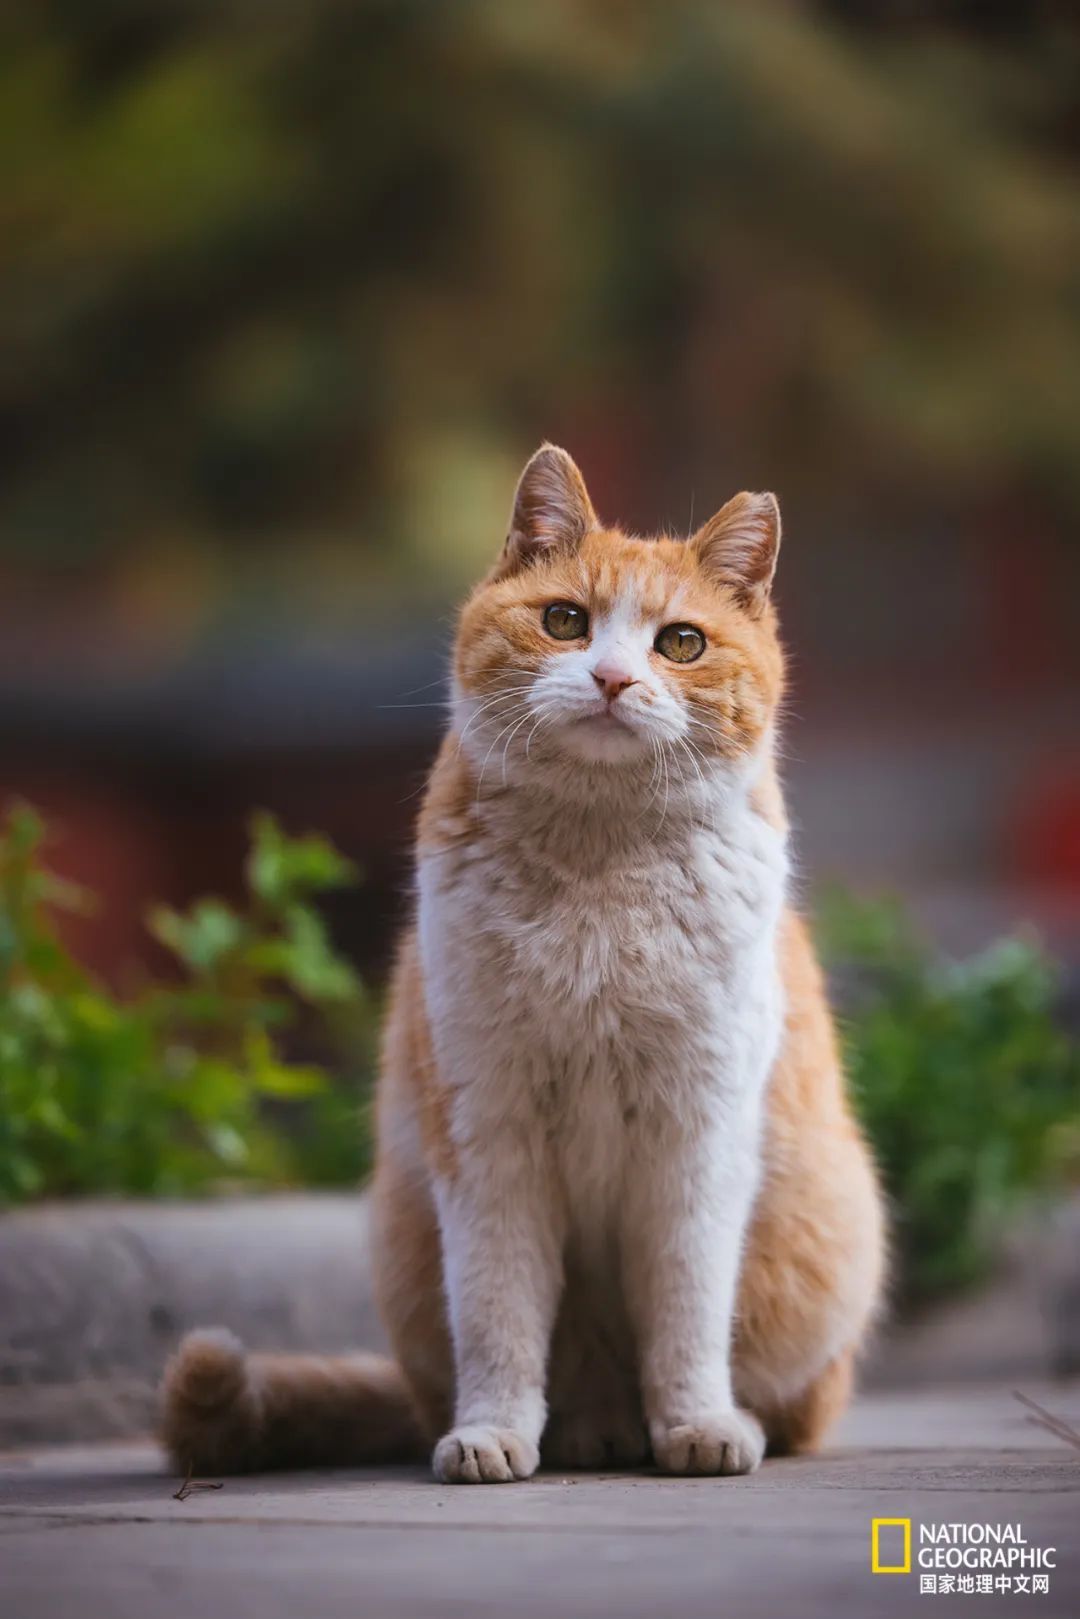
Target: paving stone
<point x="95" y="1532"/>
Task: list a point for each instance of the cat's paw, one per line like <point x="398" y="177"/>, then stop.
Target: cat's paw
<point x="479" y="1455"/>
<point x="730" y="1443"/>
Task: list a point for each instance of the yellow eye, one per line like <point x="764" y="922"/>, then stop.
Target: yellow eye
<point x="565" y="621"/>
<point x="680" y="642"/>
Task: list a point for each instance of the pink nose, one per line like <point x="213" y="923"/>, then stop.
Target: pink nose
<point x="613" y="676"/>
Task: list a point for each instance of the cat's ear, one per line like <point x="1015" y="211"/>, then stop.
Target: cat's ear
<point x="552" y="509"/>
<point x="739" y="547"/>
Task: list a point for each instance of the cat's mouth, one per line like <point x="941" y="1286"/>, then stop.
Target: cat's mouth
<point x="606" y="719"/>
<point x="605" y="736"/>
<point x="608" y="730"/>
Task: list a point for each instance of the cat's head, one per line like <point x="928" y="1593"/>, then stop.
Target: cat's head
<point x="586" y="645"/>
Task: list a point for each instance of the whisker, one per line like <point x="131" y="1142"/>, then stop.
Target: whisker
<point x="489" y="703"/>
<point x="692" y="755"/>
<point x="506" y="749"/>
<point x="412" y="691"/>
<point x="667" y="788"/>
<point x="544" y="714"/>
<point x="490" y="751"/>
<point x="653" y="783"/>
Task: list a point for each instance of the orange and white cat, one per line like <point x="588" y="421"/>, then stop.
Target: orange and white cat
<point x="621" y="1208"/>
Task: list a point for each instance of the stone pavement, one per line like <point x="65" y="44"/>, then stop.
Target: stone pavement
<point x="96" y="1532"/>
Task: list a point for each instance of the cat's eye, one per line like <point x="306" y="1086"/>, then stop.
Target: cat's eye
<point x="565" y="621"/>
<point x="680" y="642"/>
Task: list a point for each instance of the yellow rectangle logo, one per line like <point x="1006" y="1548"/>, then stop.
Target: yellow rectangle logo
<point x="876" y="1526"/>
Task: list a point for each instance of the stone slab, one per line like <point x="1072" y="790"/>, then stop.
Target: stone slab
<point x="96" y="1531"/>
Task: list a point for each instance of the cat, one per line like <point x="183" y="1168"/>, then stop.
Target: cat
<point x="621" y="1209"/>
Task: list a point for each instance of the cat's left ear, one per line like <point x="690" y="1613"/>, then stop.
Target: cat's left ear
<point x="552" y="509"/>
<point x="739" y="547"/>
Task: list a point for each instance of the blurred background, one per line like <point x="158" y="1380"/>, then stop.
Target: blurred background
<point x="289" y="291"/>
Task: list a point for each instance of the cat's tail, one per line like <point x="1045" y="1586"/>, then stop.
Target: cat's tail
<point x="229" y="1412"/>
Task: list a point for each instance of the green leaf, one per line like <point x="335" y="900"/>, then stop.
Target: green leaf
<point x="202" y="939"/>
<point x="315" y="970"/>
<point x="276" y="1078"/>
<point x="281" y="869"/>
<point x="291" y="1080"/>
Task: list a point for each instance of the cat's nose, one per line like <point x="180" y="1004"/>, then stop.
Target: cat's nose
<point x="613" y="677"/>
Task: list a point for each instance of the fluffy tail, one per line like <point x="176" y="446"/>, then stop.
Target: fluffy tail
<point x="227" y="1412"/>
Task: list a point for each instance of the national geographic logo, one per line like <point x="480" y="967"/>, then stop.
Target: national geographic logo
<point x="962" y="1558"/>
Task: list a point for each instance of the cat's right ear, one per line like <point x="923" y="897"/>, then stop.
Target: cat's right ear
<point x="552" y="510"/>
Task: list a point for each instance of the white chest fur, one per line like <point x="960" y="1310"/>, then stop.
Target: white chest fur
<point x="576" y="985"/>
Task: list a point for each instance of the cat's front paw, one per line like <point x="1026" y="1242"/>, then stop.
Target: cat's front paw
<point x="730" y="1443"/>
<point x="480" y="1455"/>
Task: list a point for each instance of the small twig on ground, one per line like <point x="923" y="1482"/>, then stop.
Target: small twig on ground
<point x="190" y="1485"/>
<point x="1043" y="1418"/>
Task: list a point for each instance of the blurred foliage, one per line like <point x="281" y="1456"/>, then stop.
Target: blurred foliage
<point x="184" y="1086"/>
<point x="308" y="279"/>
<point x="969" y="1090"/>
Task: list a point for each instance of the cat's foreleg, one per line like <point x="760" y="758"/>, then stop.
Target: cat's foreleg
<point x="685" y="1218"/>
<point x="502" y="1256"/>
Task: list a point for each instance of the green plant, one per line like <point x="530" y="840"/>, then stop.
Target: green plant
<point x="969" y="1090"/>
<point x="185" y="1084"/>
